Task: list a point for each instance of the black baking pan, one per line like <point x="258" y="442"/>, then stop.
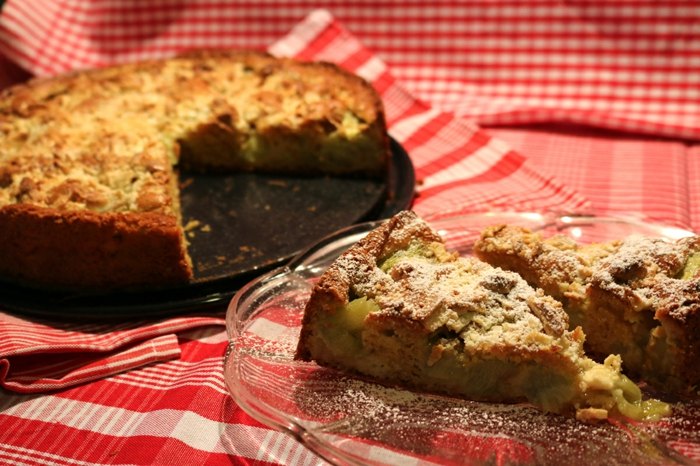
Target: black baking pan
<point x="240" y="225"/>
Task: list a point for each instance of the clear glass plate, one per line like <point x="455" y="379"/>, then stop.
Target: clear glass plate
<point x="348" y="420"/>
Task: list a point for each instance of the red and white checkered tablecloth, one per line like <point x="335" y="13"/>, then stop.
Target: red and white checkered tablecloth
<point x="532" y="105"/>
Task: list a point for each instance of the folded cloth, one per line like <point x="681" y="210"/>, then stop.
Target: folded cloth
<point x="459" y="167"/>
<point x="40" y="355"/>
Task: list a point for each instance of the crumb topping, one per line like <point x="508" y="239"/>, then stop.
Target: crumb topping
<point x="484" y="305"/>
<point x="638" y="297"/>
<point x="633" y="273"/>
<point x="678" y="299"/>
<point x="105" y="140"/>
<point x="640" y="272"/>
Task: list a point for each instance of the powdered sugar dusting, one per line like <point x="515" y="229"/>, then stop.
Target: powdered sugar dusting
<point x="631" y="271"/>
<point x="361" y="419"/>
<point x="427" y="284"/>
<point x="678" y="299"/>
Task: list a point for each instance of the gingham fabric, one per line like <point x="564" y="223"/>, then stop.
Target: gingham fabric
<point x="443" y="71"/>
<point x="39" y="356"/>
<point x="630" y="65"/>
<point x="619" y="175"/>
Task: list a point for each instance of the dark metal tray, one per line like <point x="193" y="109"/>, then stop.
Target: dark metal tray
<point x="246" y="224"/>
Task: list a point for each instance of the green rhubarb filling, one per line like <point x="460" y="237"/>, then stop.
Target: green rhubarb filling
<point x="692" y="267"/>
<point x="415" y="249"/>
<point x="342" y="332"/>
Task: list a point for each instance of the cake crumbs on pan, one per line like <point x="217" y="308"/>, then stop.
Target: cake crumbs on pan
<point x="193" y="226"/>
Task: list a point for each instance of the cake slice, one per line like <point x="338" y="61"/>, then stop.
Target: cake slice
<point x="638" y="297"/>
<point x="400" y="308"/>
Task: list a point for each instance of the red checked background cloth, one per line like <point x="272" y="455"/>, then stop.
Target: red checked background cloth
<point x="629" y="72"/>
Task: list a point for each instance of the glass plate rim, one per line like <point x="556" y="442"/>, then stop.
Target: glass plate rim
<point x="350" y="234"/>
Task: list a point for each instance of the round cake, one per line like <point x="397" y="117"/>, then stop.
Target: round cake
<point x="89" y="160"/>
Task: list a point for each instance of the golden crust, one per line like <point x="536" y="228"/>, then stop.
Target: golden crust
<point x="106" y="250"/>
<point x="627" y="294"/>
<point x="333" y="288"/>
<point x="104" y="141"/>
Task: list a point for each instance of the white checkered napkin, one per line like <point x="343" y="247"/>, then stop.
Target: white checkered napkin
<point x="631" y="66"/>
<point x="459" y="167"/>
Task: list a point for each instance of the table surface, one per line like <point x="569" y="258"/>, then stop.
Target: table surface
<point x="590" y="107"/>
